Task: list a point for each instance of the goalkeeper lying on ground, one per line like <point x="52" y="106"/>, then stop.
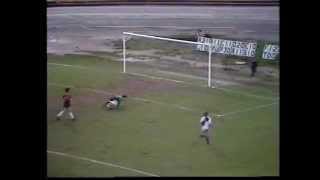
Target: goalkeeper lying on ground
<point x="114" y="102"/>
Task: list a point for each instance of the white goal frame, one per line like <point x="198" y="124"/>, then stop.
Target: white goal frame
<point x="126" y="34"/>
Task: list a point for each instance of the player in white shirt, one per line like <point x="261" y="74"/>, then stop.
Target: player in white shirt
<point x="206" y="124"/>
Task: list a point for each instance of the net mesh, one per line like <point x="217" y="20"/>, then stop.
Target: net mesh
<point x="184" y="62"/>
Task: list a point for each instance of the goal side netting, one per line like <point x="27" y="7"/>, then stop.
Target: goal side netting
<point x="168" y="59"/>
<point x="199" y="63"/>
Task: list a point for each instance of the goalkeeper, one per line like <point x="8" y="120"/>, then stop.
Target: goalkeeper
<point x="114" y="102"/>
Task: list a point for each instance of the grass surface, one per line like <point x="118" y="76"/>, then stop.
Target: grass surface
<point x="156" y="138"/>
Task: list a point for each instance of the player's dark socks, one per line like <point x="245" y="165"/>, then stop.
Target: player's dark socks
<point x="207" y="140"/>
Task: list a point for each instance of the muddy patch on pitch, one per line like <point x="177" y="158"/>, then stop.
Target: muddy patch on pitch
<point x="138" y="87"/>
<point x="88" y="98"/>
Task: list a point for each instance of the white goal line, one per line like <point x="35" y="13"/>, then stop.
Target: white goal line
<point x="156" y="77"/>
<point x="171" y="105"/>
<point x="102" y="163"/>
<point x="180" y="41"/>
<point x="135" y="98"/>
<point x="218" y="88"/>
<point x="174" y="80"/>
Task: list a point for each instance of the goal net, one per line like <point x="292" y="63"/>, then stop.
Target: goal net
<point x="184" y="60"/>
<point x="167" y="58"/>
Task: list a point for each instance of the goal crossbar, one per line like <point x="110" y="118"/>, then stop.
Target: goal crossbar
<point x="166" y="39"/>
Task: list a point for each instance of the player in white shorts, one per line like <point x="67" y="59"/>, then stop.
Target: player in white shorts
<point x="114" y="102"/>
<point x="206" y="124"/>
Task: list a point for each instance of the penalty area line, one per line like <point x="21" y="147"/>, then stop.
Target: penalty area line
<point x="248" y="109"/>
<point x="102" y="163"/>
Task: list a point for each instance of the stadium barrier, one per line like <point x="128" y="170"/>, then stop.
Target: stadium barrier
<point x="56" y="3"/>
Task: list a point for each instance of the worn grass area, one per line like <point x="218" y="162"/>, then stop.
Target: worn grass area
<point x="158" y="138"/>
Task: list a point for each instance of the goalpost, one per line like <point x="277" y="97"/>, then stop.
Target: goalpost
<point x="189" y="62"/>
<point x="128" y="34"/>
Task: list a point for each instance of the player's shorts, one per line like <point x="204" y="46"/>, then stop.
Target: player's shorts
<point x="66" y="105"/>
<point x="114" y="102"/>
<point x="205" y="132"/>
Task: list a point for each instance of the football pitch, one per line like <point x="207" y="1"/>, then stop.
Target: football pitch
<point x="156" y="130"/>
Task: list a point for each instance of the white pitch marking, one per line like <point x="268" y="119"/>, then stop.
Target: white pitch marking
<point x="248" y="109"/>
<point x="177" y="81"/>
<point x="166" y="104"/>
<point x="161" y="103"/>
<point x="155" y="77"/>
<point x="173" y="27"/>
<point x="246" y="94"/>
<point x="85" y="27"/>
<point x="67" y="65"/>
<point x="135" y="98"/>
<point x="103" y="163"/>
<point x="219" y="88"/>
<point x="249" y="31"/>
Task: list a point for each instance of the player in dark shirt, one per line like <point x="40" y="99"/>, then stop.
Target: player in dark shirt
<point x="66" y="105"/>
<point x="114" y="102"/>
<point x="254" y="65"/>
<point x="66" y="100"/>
